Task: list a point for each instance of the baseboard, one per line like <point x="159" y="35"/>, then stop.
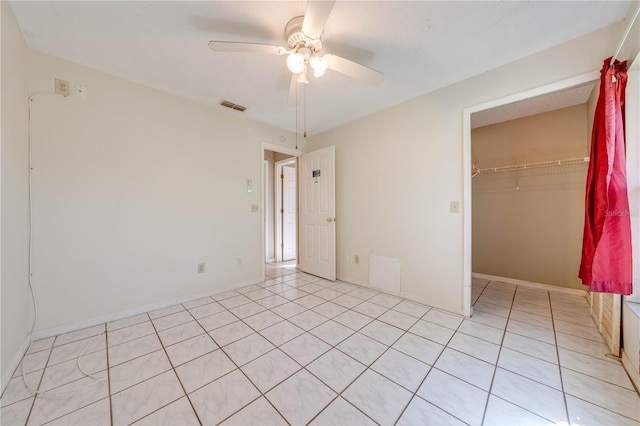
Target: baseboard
<point x="352" y="280"/>
<point x="54" y="331"/>
<point x="631" y="371"/>
<point x="402" y="294"/>
<point x="271" y="260"/>
<point x="15" y="361"/>
<point x="548" y="287"/>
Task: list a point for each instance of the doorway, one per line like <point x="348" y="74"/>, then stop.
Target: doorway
<point x="279" y="161"/>
<point x="468" y="166"/>
<point x="285" y="210"/>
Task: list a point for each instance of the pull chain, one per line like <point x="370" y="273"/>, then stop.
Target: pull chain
<point x="305" y="111"/>
<point x="296" y="115"/>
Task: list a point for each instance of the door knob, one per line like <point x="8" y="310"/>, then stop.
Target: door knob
<point x="330" y="219"/>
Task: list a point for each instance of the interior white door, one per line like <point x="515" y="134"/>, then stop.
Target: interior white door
<point x="288" y="213"/>
<point x="318" y="213"/>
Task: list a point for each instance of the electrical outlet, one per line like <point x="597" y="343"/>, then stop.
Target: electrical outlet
<point x="239" y="262"/>
<point x="200" y="268"/>
<point x="254" y="208"/>
<point x="356" y="259"/>
<point x="62" y="87"/>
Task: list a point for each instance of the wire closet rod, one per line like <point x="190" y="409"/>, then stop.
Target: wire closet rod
<point x="538" y="165"/>
<point x="625" y="35"/>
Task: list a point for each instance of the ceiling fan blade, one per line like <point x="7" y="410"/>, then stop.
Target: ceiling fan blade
<point x="315" y="17"/>
<point x="355" y="70"/>
<point x="238" y="46"/>
<point x="294" y="91"/>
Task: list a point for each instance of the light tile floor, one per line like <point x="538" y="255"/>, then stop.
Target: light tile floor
<point x="297" y="349"/>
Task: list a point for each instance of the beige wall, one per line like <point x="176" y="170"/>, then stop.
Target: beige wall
<point x="132" y="189"/>
<point x="398" y="170"/>
<point x="528" y="224"/>
<point x="17" y="312"/>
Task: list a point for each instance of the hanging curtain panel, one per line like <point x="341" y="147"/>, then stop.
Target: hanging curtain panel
<point x="606" y="247"/>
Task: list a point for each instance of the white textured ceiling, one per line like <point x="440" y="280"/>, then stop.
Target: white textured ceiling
<point x="420" y="46"/>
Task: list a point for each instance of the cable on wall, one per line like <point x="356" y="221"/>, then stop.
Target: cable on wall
<point x="37" y="391"/>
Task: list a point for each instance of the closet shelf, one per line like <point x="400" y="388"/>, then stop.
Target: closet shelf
<point x="554" y="163"/>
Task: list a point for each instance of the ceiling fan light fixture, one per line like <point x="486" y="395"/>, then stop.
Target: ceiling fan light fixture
<point x="295" y="63"/>
<point x="319" y="65"/>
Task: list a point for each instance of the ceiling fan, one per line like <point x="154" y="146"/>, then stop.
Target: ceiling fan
<point x="303" y="35"/>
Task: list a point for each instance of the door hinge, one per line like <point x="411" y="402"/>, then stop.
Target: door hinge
<point x="281" y="210"/>
<point x="282" y="176"/>
<point x="282" y="245"/>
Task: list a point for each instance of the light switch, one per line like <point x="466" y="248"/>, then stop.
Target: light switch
<point x="455" y="207"/>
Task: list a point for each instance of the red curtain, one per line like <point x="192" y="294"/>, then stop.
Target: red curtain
<point x="606" y="246"/>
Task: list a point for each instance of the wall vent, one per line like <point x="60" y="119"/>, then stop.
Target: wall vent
<point x="233" y="106"/>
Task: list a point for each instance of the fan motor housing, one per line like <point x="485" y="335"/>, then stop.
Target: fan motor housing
<point x="295" y="37"/>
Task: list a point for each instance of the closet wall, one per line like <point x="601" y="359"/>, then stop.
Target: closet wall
<point x="528" y="224"/>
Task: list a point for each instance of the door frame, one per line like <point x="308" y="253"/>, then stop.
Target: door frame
<point x="466" y="165"/>
<point x="277" y="214"/>
<point x="266" y="146"/>
<point x="265" y="203"/>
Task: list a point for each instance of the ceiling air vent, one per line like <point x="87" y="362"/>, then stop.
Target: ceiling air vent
<point x="233" y="106"/>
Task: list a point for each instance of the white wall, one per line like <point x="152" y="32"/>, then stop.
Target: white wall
<point x="132" y="189"/>
<point x="14" y="230"/>
<point x="631" y="307"/>
<point x="398" y="170"/>
<point x="632" y="140"/>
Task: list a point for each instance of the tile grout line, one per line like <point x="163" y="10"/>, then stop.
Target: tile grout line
<point x="304" y="367"/>
<point x="555" y="338"/>
<point x="495" y="368"/>
<point x="173" y="368"/>
<point x="221" y="348"/>
<point x="521" y="375"/>
<point x="331" y="347"/>
<point x="558" y="366"/>
<point x="526" y="377"/>
<point x="385" y="351"/>
<point x="44" y="370"/>
<point x="261" y="394"/>
<point x="106" y="337"/>
<point x="432" y="367"/>
<point x="148" y="353"/>
<point x="326" y="320"/>
<point x="367" y="367"/>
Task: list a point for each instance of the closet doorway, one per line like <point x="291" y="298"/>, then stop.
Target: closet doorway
<point x="530" y="163"/>
<point x="500" y="108"/>
<point x="558" y="174"/>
